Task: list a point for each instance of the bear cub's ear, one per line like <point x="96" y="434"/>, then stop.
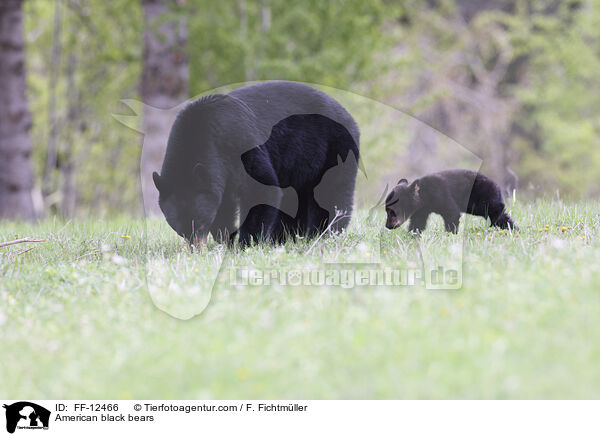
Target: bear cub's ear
<point x="415" y="189"/>
<point x="157" y="181"/>
<point x="402" y="181"/>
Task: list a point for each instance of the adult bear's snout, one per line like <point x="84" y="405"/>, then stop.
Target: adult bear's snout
<point x="393" y="223"/>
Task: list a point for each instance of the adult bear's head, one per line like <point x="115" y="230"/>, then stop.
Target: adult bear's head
<point x="204" y="147"/>
<point x="189" y="206"/>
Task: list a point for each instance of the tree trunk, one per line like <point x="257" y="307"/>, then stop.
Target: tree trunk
<point x="164" y="85"/>
<point x="49" y="182"/>
<point x="16" y="175"/>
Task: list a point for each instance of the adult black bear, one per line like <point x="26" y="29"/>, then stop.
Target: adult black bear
<point x="447" y="193"/>
<point x="260" y="150"/>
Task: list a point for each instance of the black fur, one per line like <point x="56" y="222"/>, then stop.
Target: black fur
<point x="447" y="193"/>
<point x="300" y="150"/>
<point x="252" y="152"/>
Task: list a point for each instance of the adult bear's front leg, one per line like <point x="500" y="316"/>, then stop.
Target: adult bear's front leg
<point x="259" y="225"/>
<point x="260" y="198"/>
<point x="224" y="227"/>
<point x="259" y="213"/>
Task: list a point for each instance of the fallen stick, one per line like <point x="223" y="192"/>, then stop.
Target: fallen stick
<point x="20" y="241"/>
<point x="87" y="254"/>
<point x="24" y="251"/>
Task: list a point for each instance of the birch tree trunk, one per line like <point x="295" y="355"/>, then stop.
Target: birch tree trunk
<point x="16" y="175"/>
<point x="164" y="85"/>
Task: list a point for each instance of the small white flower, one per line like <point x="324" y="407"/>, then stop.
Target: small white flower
<point x="118" y="260"/>
<point x="558" y="243"/>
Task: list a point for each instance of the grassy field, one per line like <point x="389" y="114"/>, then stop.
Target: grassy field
<point x="77" y="321"/>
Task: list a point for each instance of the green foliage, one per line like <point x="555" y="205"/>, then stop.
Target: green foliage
<point x="332" y="43"/>
<point x="98" y="64"/>
<point x="404" y="53"/>
<point x="560" y="95"/>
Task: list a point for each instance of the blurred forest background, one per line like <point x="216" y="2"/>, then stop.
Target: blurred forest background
<point x="514" y="81"/>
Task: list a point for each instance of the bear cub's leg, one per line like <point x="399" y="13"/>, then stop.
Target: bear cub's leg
<point x="418" y="221"/>
<point x="451" y="216"/>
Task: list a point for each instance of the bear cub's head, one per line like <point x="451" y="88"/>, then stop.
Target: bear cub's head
<point x="401" y="203"/>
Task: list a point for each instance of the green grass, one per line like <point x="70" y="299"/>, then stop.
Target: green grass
<point x="77" y="321"/>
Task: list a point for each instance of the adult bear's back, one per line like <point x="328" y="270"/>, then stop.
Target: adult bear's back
<point x="274" y="101"/>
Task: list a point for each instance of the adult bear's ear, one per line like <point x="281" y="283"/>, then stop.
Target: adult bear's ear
<point x="402" y="181"/>
<point x="157" y="181"/>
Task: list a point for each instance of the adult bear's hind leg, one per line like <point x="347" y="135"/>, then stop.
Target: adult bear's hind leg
<point x="314" y="218"/>
<point x="335" y="192"/>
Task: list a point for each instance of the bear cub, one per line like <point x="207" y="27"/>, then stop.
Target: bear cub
<point x="447" y="193"/>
